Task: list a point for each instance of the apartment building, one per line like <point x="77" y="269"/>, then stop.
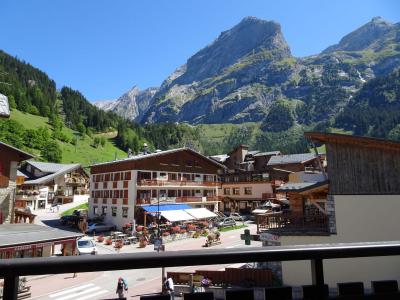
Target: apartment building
<point x="181" y="175"/>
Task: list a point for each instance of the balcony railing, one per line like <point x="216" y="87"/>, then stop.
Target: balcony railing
<point x="178" y="199"/>
<point x="151" y="182"/>
<point x="11" y="269"/>
<point x="292" y="223"/>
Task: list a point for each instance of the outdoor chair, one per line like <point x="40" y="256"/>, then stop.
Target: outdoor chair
<point x="351" y="288"/>
<point x="199" y="296"/>
<point x="278" y="293"/>
<point x="312" y="292"/>
<point x="385" y="286"/>
<point x="239" y="295"/>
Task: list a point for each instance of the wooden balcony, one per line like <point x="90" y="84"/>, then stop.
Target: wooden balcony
<point x="289" y="223"/>
<point x="178" y="183"/>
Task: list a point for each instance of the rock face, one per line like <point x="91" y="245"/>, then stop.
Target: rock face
<point x="130" y="105"/>
<point x="369" y="36"/>
<point x="247" y="68"/>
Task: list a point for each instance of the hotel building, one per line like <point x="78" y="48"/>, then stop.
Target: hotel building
<point x="181" y="175"/>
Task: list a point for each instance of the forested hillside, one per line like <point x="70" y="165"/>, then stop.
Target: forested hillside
<point x="65" y="127"/>
<point x="375" y="110"/>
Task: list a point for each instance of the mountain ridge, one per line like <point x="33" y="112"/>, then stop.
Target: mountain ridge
<point x="238" y="76"/>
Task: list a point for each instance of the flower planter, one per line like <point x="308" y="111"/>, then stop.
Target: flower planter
<point x="100" y="238"/>
<point x="108" y="241"/>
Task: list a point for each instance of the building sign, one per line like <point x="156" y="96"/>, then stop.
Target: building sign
<point x="268" y="237"/>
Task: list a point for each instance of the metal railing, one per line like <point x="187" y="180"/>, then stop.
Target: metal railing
<point x="11" y="269"/>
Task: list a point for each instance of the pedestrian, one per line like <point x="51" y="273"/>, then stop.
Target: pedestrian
<point x="122" y="287"/>
<point x="58" y="207"/>
<point x="169" y="286"/>
<point x="74" y="275"/>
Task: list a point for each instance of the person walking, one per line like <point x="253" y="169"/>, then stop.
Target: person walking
<point x="122" y="287"/>
<point x="169" y="286"/>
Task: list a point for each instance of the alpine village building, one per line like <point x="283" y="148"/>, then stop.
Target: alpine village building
<point x="253" y="177"/>
<point x="357" y="200"/>
<point x="47" y="183"/>
<point x="122" y="189"/>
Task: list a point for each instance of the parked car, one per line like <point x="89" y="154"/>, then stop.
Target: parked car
<point x="227" y="222"/>
<point x="237" y="217"/>
<point x="100" y="227"/>
<point x="86" y="246"/>
<point x="70" y="220"/>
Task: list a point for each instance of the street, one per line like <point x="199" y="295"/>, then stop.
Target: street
<point x="102" y="285"/>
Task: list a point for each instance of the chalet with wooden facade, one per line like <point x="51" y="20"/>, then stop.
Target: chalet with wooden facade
<point x="47" y="183"/>
<point x="172" y="176"/>
<point x="362" y="205"/>
<point x="10" y="157"/>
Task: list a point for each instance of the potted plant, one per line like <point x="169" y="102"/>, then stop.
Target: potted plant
<point x="142" y="242"/>
<point x="108" y="241"/>
<point x="118" y="244"/>
<point x="100" y="238"/>
<point x="166" y="233"/>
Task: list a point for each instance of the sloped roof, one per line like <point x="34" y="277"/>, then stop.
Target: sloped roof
<point x="290" y="159"/>
<point x="24" y="155"/>
<point x="4" y="108"/>
<point x="146" y="156"/>
<point x="268" y="153"/>
<point x="47" y="167"/>
<point x="54" y="169"/>
<point x="326" y="138"/>
<point x="23" y="233"/>
<point x="221" y="158"/>
<point x="300" y="186"/>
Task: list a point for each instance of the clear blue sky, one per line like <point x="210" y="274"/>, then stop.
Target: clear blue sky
<point x="103" y="48"/>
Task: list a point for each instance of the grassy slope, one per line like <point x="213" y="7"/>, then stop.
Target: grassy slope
<point x="83" y="153"/>
<point x="71" y="210"/>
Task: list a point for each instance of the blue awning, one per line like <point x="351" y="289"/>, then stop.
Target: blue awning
<point x="164" y="207"/>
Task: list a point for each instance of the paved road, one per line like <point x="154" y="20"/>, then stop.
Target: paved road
<point x="101" y="285"/>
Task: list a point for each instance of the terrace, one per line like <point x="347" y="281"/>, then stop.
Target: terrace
<point x="289" y="223"/>
<point x="12" y="269"/>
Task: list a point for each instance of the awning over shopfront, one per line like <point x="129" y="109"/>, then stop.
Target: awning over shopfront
<point x="201" y="213"/>
<point x="176" y="215"/>
<point x="260" y="211"/>
<point x="164" y="207"/>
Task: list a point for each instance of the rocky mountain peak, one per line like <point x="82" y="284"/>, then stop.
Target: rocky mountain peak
<point x="251" y="35"/>
<point x="363" y="37"/>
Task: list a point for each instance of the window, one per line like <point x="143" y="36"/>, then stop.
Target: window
<point x="104" y="210"/>
<point x="236" y="191"/>
<point x="115" y="184"/>
<point x="236" y="178"/>
<point x="125" y="212"/>
<point x="95" y="210"/>
<point x="114" y="211"/>
<point x="163" y="176"/>
<point x="125" y="194"/>
<point x="105" y="185"/>
<point x="247" y="191"/>
<point x="127" y="175"/>
<point x="126" y="184"/>
<point x="227" y="191"/>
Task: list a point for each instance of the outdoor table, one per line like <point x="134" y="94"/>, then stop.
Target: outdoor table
<point x="115" y="234"/>
<point x="132" y="239"/>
